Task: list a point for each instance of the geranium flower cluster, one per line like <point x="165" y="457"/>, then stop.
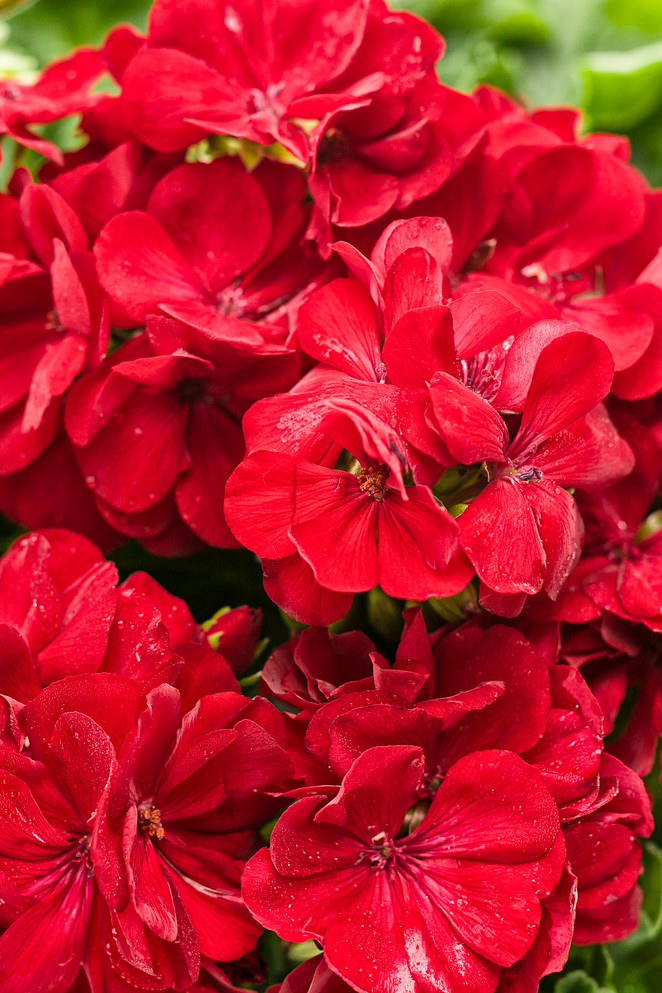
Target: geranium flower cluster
<point x="133" y="776"/>
<point x="436" y="299"/>
<point x="452" y="819"/>
<point x="294" y="294"/>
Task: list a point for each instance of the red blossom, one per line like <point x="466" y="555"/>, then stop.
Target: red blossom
<point x="463" y="887"/>
<point x="308" y="63"/>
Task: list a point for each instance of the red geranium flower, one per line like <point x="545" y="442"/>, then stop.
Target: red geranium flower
<point x="356" y="530"/>
<point x="256" y="70"/>
<point x="441" y="904"/>
<point x="157" y="431"/>
<point x="217" y="247"/>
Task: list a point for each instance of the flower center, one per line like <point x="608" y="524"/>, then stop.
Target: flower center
<point x="53" y="322"/>
<point x="82" y="854"/>
<point x="557" y="287"/>
<point x="149" y="821"/>
<point x="483" y="372"/>
<point x="268" y="100"/>
<point x="373" y="481"/>
<point x="192" y="389"/>
<point x="522" y="473"/>
<point x="380" y="852"/>
<point x="334" y="146"/>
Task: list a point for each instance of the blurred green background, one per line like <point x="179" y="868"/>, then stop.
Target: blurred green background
<point x="604" y="56"/>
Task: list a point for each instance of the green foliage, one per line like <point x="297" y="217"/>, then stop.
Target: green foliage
<point x="578" y="982"/>
<point x="622" y="89"/>
<point x="48" y="29"/>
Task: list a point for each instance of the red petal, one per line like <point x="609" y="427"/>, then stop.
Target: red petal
<point x="572" y="375"/>
<point x="521" y="361"/>
<point x="86" y="759"/>
<point x="499" y="533"/>
<point x="18" y="678"/>
<point x="469" y="425"/>
<point x="478" y="812"/>
<point x="43" y="950"/>
<point x="224" y="928"/>
<point x="561" y="531"/>
<point x="589" y="453"/>
<point x="414" y="281"/>
<point x="151" y="888"/>
<point x="376" y="792"/>
<point x="259" y="503"/>
<point x="338" y="325"/>
<point x="335" y="529"/>
<point x="185" y="199"/>
<point x="432" y="234"/>
<point x="468" y="657"/>
<point x="215" y="447"/>
<point x="290" y="582"/>
<point x="618" y="319"/>
<point x="417" y="543"/>
<point x="149" y="438"/>
<point x="419" y="345"/>
<point x="481" y="320"/>
<point x="140" y="267"/>
<point x="164" y="88"/>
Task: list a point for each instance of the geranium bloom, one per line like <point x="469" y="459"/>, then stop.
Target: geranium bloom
<point x="54" y="321"/>
<point x="556" y="443"/>
<point x="177" y="823"/>
<point x="445" y="904"/>
<point x="50" y="824"/>
<point x="620" y="568"/>
<point x="58" y="600"/>
<point x="616" y="656"/>
<point x="127" y="888"/>
<point x="605" y="861"/>
<point x="451" y="696"/>
<point x="62" y="614"/>
<point x="170" y="402"/>
<point x="354" y="529"/>
<point x="217" y="247"/>
<point x="255" y="71"/>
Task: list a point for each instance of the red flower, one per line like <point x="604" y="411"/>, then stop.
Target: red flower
<point x="170" y="402"/>
<point x="63" y="88"/>
<point x="62" y="614"/>
<point x="556" y="443"/>
<point x="620" y="569"/>
<point x="355" y="530"/>
<point x="177" y="823"/>
<point x="445" y="903"/>
<point x="255" y="71"/>
<point x="55" y="322"/>
<point x="48" y="848"/>
<point x="605" y="860"/>
<point x="217" y="248"/>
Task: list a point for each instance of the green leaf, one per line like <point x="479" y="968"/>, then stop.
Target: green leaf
<point x="622" y="89"/>
<point x="579" y="982"/>
<point x="637" y="961"/>
<point x="651" y="911"/>
<point x="49" y="29"/>
<point x="646" y="15"/>
<point x="302" y="951"/>
<point x="516" y="22"/>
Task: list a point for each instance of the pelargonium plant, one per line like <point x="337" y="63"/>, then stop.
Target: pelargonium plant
<point x="402" y="346"/>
